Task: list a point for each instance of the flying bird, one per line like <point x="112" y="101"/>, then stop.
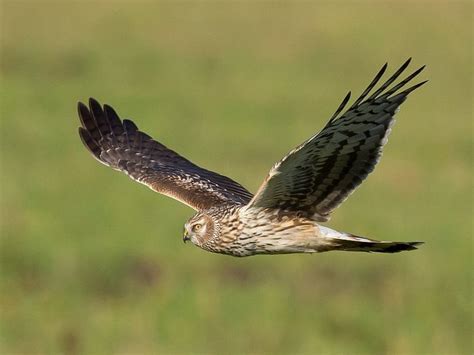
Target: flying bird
<point x="299" y="192"/>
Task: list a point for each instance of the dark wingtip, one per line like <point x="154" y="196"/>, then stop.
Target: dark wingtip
<point x="418" y="71"/>
<point x="81" y="106"/>
<point x="340" y="108"/>
<point x="417" y="86"/>
<point x="129" y="126"/>
<point x="84" y="114"/>
<point x="413" y="88"/>
<point x="382" y="70"/>
<point x="108" y="107"/>
<point x="407" y="62"/>
<point x="93" y="101"/>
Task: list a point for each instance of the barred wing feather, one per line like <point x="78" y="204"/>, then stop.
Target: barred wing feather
<point x="120" y="145"/>
<point x="316" y="177"/>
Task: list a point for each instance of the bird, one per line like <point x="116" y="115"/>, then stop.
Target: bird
<point x="299" y="193"/>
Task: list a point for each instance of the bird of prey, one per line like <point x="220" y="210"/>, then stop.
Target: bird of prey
<point x="299" y="192"/>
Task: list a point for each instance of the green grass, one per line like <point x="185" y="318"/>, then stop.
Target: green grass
<point x="93" y="263"/>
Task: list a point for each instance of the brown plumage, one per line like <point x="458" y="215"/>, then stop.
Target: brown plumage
<point x="300" y="190"/>
<point x="120" y="145"/>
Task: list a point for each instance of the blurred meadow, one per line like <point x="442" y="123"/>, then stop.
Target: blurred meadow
<point x="93" y="263"/>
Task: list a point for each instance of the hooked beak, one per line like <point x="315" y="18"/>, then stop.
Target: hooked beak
<point x="186" y="236"/>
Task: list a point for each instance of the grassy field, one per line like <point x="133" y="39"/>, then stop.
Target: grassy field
<point x="93" y="263"/>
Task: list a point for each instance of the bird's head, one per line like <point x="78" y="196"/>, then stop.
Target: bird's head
<point x="198" y="229"/>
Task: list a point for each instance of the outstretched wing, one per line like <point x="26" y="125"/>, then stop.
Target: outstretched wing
<point x="320" y="174"/>
<point x="120" y="145"/>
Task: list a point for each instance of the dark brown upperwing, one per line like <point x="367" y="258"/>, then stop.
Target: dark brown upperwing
<point x="120" y="145"/>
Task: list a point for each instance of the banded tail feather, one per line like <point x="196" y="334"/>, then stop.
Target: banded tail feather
<point x="374" y="246"/>
<point x="351" y="242"/>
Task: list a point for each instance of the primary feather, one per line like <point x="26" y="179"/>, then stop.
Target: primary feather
<point x="316" y="177"/>
<point x="120" y="145"/>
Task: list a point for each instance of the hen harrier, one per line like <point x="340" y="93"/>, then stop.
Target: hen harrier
<point x="300" y="190"/>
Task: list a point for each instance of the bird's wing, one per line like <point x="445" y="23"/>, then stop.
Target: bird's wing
<point x="120" y="145"/>
<point x="320" y="174"/>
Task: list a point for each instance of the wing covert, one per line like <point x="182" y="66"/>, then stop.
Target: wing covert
<point x="122" y="146"/>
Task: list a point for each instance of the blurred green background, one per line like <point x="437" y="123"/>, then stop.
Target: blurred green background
<point x="94" y="263"/>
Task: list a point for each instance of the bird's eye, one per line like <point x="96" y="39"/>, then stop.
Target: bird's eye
<point x="196" y="227"/>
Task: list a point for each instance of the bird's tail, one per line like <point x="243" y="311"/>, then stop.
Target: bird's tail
<point x="350" y="242"/>
<point x="374" y="246"/>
